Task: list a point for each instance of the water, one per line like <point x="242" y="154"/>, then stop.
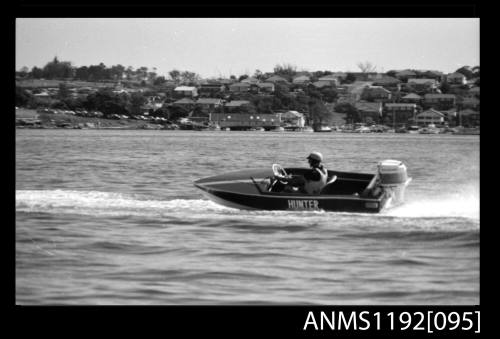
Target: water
<point x="112" y="217"/>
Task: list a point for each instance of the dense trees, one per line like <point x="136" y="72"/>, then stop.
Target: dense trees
<point x="23" y="98"/>
<point x="57" y="69"/>
<point x="317" y="112"/>
<point x="63" y="91"/>
<point x="353" y="114"/>
<point x="467" y="71"/>
<point x="287" y="71"/>
<point x="349" y="79"/>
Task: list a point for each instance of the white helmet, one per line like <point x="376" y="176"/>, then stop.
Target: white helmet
<point x="315" y="156"/>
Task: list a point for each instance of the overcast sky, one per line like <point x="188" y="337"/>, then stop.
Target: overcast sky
<point x="215" y="47"/>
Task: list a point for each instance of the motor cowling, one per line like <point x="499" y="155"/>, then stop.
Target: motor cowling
<point x="392" y="172"/>
<point x="393" y="179"/>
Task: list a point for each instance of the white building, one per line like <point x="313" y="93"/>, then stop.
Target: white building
<point x="430" y="116"/>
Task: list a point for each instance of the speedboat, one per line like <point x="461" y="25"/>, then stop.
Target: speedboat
<point x="267" y="189"/>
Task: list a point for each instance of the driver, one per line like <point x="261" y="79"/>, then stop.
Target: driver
<point x="313" y="180"/>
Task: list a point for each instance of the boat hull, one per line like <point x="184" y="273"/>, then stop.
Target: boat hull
<point x="242" y="190"/>
<point x="297" y="203"/>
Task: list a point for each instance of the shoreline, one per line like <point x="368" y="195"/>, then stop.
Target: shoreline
<point x="31" y="119"/>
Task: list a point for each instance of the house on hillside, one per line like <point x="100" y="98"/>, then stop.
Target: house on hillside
<point x="208" y="105"/>
<point x="450" y="114"/>
<point x="186" y="91"/>
<point x="266" y="87"/>
<point x="369" y="110"/>
<point x="339" y="75"/>
<point x="322" y="84"/>
<point x="239" y="87"/>
<point x="301" y="80"/>
<point x="251" y="80"/>
<point x="333" y="80"/>
<point x="468" y="117"/>
<point x="456" y="79"/>
<point x="235" y="105"/>
<point x="400" y="113"/>
<point x="474" y="92"/>
<point x="470" y="102"/>
<point x="439" y="101"/>
<point x="210" y="89"/>
<point x="436" y="75"/>
<point x="389" y="83"/>
<point x="422" y="86"/>
<point x="277" y="79"/>
<point x="376" y="93"/>
<point x="153" y="102"/>
<point x="411" y="98"/>
<point x="405" y="75"/>
<point x="187" y="103"/>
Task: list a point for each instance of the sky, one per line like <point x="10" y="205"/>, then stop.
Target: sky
<point x="214" y="47"/>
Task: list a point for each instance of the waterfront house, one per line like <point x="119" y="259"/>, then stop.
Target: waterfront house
<point x="405" y="75"/>
<point x="400" y="113"/>
<point x="376" y="93"/>
<point x="439" y="101"/>
<point x="239" y="87"/>
<point x="421" y="85"/>
<point x="186" y="91"/>
<point x="456" y="79"/>
<point x="369" y="110"/>
<point x="430" y="116"/>
<point x="266" y="87"/>
<point x="411" y="98"/>
<point x="277" y="79"/>
<point x="301" y="80"/>
<point x="293" y="119"/>
<point x="240" y="121"/>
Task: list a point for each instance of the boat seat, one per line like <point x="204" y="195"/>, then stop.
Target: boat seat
<point x="370" y="186"/>
<point x="328" y="185"/>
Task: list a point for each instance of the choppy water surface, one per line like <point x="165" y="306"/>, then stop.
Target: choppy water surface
<point x="112" y="217"/>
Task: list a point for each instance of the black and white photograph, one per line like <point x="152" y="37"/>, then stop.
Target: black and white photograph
<point x="247" y="161"/>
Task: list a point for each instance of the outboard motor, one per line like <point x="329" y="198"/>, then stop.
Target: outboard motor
<point x="393" y="179"/>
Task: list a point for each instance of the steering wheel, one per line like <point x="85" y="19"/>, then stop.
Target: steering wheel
<point x="279" y="171"/>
